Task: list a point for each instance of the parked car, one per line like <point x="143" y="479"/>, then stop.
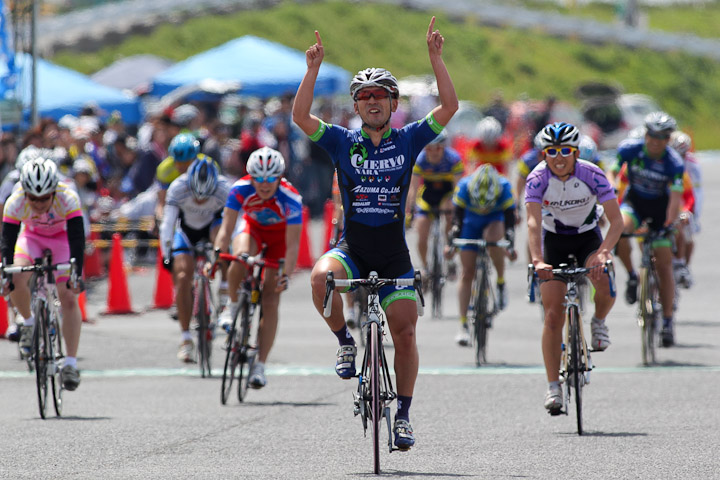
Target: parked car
<point x="617" y="116"/>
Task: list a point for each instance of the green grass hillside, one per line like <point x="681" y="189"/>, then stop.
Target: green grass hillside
<point x="480" y="59"/>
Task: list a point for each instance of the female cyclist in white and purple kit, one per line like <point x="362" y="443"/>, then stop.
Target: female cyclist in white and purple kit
<point x="563" y="197"/>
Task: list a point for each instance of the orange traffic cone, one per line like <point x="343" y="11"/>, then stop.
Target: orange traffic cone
<point x="3" y="317"/>
<point x="329" y="224"/>
<point x="164" y="292"/>
<point x="92" y="267"/>
<point x="118" y="300"/>
<point x="305" y="259"/>
<point x="82" y="300"/>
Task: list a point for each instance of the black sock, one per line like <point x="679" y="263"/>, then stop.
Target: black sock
<point x="403" y="404"/>
<point x="344" y="336"/>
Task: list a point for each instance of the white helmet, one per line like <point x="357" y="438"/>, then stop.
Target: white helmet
<point x="489" y="130"/>
<point x="265" y="162"/>
<point x="660" y="123"/>
<point x="587" y="149"/>
<point x="374" y="77"/>
<point x="31" y="152"/>
<point x="681" y="142"/>
<point x="39" y="176"/>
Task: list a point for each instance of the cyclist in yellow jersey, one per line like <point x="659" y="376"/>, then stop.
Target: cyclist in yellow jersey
<point x="439" y="168"/>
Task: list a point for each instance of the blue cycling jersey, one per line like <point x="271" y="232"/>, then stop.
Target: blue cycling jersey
<point x="374" y="180"/>
<point x="649" y="178"/>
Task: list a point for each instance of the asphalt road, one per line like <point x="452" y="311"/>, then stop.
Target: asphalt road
<point x="140" y="414"/>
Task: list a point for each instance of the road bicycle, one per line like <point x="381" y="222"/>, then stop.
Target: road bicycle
<point x="375" y="389"/>
<point x="436" y="275"/>
<point x="241" y="352"/>
<point x="649" y="312"/>
<point x="576" y="362"/>
<point x="47" y="350"/>
<point x="483" y="305"/>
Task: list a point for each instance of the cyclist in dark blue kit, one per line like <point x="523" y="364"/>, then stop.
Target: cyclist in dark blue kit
<point x="374" y="166"/>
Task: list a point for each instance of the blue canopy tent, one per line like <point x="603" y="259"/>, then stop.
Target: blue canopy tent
<point x="263" y="68"/>
<point x="62" y="91"/>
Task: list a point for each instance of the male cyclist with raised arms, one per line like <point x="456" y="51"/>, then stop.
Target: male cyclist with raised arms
<point x="193" y="213"/>
<point x="484" y="208"/>
<point x="655" y="187"/>
<point x="272" y="216"/>
<point x="51" y="218"/>
<point x="562" y="198"/>
<point x="439" y="168"/>
<point x="374" y="166"/>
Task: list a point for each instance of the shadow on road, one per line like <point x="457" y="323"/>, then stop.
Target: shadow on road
<point x="400" y="473"/>
<point x="287" y="404"/>
<point x="75" y="418"/>
<point x="612" y="434"/>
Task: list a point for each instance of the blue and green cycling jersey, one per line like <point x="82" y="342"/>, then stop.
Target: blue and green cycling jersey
<point x="649" y="178"/>
<point x="374" y="180"/>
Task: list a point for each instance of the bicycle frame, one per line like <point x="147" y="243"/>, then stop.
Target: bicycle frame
<point x="204" y="308"/>
<point x="437" y="275"/>
<point x="375" y="390"/>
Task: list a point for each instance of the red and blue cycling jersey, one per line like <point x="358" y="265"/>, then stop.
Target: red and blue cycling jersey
<point x="282" y="209"/>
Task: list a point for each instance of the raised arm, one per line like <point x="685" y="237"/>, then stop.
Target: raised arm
<point x="446" y="90"/>
<point x="301" y="115"/>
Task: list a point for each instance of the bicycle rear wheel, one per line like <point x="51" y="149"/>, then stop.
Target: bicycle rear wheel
<point x="204" y="343"/>
<point x="40" y="353"/>
<point x="480" y="317"/>
<point x="648" y="315"/>
<point x="232" y="359"/>
<point x="375" y="401"/>
<point x="57" y="355"/>
<point x="576" y="364"/>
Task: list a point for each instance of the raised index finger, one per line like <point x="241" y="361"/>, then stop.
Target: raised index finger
<point x="430" y="27"/>
<point x="317" y="37"/>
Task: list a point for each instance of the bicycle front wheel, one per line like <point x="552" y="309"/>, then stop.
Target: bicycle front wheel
<point x="40" y="354"/>
<point x="375" y="401"/>
<point x="576" y="364"/>
<point x="232" y="359"/>
<point x="247" y="354"/>
<point x="480" y="319"/>
<point x="648" y="315"/>
<point x="437" y="280"/>
<point x="56" y="354"/>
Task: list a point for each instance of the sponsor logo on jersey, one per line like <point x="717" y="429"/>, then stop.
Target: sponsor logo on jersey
<point x="360" y="196"/>
<point x="358" y="155"/>
<point x="382" y="198"/>
<point x="364" y="189"/>
<point x="385" y="149"/>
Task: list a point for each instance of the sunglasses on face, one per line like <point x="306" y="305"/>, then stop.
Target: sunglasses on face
<point x="376" y="93"/>
<point x="659" y="135"/>
<point x="42" y="199"/>
<point x="564" y="151"/>
<point x="264" y="179"/>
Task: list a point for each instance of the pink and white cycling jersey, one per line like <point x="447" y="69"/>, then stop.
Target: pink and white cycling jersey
<point x="65" y="205"/>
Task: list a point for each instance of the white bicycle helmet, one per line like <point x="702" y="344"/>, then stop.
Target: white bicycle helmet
<point x="39" y="177"/>
<point x="489" y="130"/>
<point x="484" y="186"/>
<point x="374" y="77"/>
<point x="202" y="178"/>
<point x="681" y="142"/>
<point x="660" y="122"/>
<point x="265" y="162"/>
<point x="31" y="152"/>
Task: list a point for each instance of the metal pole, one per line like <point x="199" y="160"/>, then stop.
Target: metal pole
<point x="33" y="53"/>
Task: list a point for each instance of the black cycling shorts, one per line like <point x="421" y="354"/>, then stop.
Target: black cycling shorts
<point x="557" y="248"/>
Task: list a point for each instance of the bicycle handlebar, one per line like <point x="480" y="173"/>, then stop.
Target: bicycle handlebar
<point x="459" y="242"/>
<point x="251" y="261"/>
<point x="374" y="284"/>
<point x="564" y="273"/>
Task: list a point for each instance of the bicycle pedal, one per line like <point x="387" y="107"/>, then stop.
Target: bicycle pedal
<point x="554" y="412"/>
